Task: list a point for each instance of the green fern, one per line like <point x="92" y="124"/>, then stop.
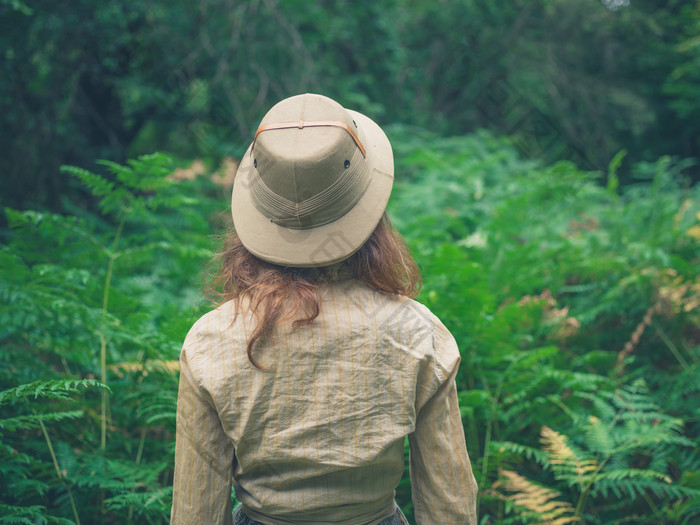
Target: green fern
<point x="143" y="501"/>
<point x="32" y="515"/>
<point x="12" y="424"/>
<point x="54" y="389"/>
<point x="109" y="290"/>
<point x="119" y="285"/>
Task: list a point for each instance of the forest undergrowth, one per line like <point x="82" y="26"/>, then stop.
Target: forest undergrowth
<point x="574" y="302"/>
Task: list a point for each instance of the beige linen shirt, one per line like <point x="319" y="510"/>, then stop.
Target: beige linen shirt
<point x="319" y="437"/>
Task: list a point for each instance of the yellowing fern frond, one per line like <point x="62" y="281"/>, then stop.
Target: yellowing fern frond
<point x="536" y="498"/>
<point x="565" y="462"/>
<point x="161" y="365"/>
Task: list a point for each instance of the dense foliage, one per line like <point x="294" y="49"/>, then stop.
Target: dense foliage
<point x="569" y="79"/>
<point x="565" y="265"/>
<point x="573" y="300"/>
<point x="575" y="304"/>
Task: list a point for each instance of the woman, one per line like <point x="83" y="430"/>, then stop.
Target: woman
<point x="301" y="387"/>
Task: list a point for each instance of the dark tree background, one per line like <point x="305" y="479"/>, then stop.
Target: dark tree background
<point x="574" y="79"/>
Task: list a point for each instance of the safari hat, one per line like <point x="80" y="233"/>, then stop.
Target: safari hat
<point x="314" y="183"/>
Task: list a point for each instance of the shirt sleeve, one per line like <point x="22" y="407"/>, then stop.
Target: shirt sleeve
<point x="442" y="481"/>
<point x="203" y="456"/>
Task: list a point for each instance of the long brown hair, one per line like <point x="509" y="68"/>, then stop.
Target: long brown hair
<point x="277" y="293"/>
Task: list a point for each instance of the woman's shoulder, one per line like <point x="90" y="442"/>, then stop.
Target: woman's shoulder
<point x="443" y="345"/>
<point x="408" y="321"/>
<point x="214" y="328"/>
<point x="215" y="341"/>
<point x="213" y="318"/>
<point x="401" y="311"/>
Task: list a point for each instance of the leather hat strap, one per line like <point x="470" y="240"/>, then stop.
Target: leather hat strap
<point x="301" y="124"/>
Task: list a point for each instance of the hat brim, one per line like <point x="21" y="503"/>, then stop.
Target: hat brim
<point x="322" y="245"/>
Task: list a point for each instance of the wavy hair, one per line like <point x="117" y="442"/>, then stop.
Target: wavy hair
<point x="278" y="293"/>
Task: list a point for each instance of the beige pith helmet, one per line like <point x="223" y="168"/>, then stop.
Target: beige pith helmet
<point x="314" y="183"/>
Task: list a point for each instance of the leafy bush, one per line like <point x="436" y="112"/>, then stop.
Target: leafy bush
<point x="574" y="303"/>
<point x="109" y="295"/>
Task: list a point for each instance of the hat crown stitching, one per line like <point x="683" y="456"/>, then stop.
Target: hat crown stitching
<point x="302" y="181"/>
<point x="283" y="211"/>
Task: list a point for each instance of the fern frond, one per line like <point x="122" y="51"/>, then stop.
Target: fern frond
<point x="598" y="436"/>
<point x="686" y="512"/>
<point x="640" y="485"/>
<point x="575" y="380"/>
<point x="147" y="173"/>
<point x="30" y="515"/>
<point x="53" y="389"/>
<point x="98" y="185"/>
<point x="537" y="499"/>
<point x="641" y="434"/>
<point x="155" y="166"/>
<point x="601" y="405"/>
<point x="112" y="197"/>
<point x="170" y="367"/>
<point x="34" y="420"/>
<point x="16" y="218"/>
<point x="567" y="464"/>
<point x="140" y="500"/>
<point x="633" y="473"/>
<point x="529" y="453"/>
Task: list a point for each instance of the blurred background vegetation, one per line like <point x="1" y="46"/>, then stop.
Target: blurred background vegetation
<point x="568" y="79"/>
<point x="546" y="166"/>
